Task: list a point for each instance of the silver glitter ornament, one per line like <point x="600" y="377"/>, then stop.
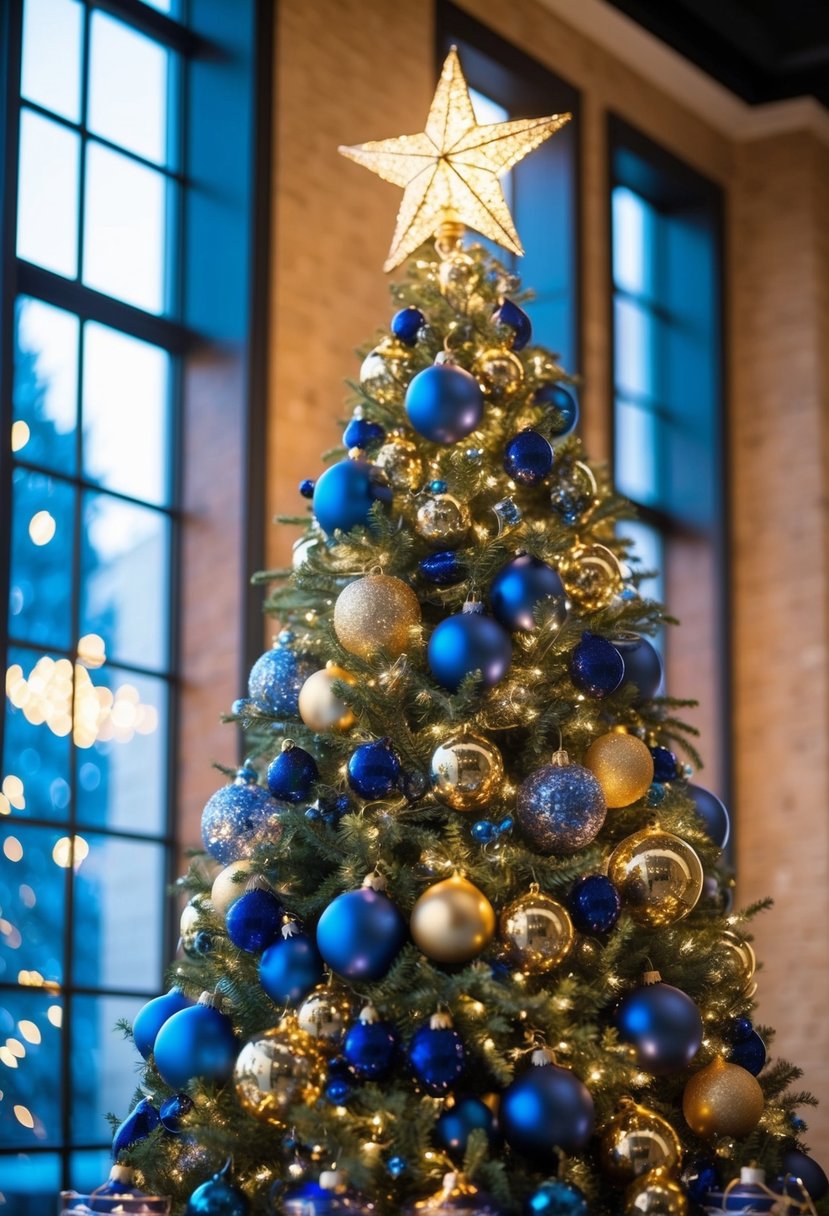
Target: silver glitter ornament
<point x="238" y="817"/>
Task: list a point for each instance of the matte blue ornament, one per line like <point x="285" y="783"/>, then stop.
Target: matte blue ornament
<point x="643" y="664"/>
<point x="596" y="667"/>
<point x="555" y="1197"/>
<point x="254" y="920"/>
<point x="749" y="1053"/>
<point x="466" y="643"/>
<point x="546" y="1108"/>
<point x="665" y="765"/>
<point x="361" y="433"/>
<point x="141" y="1120"/>
<point x="345" y="494"/>
<point x="444" y="568"/>
<point x="407" y="324"/>
<point x="516" y="319"/>
<point x="700" y="1177"/>
<point x="713" y="814"/>
<point x="739" y="1030"/>
<point x="374" y="769"/>
<point x="594" y="904"/>
<point x="455" y="1125"/>
<point x="152" y="1016"/>
<point x="436" y="1055"/>
<point x="277" y="676"/>
<point x="217" y="1197"/>
<point x="662" y="1023"/>
<point x="292" y="773"/>
<point x="396" y="1166"/>
<point x="361" y="933"/>
<point x="444" y="403"/>
<point x="290" y="968"/>
<point x="518" y="589"/>
<point x="561" y="409"/>
<point x="528" y="457"/>
<point x="306" y="487"/>
<point x="197" y="1042"/>
<point x="237" y="818"/>
<point x="173" y="1110"/>
<point x="801" y="1166"/>
<point x="370" y="1046"/>
<point x="560" y="807"/>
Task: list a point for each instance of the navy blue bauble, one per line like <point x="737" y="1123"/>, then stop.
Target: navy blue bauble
<point x="546" y="1108"/>
<point x="152" y="1016"/>
<point x="277" y="676"/>
<point x="643" y="664"/>
<point x="306" y="487"/>
<point x="560" y="807"/>
<point x="516" y="319"/>
<point x="254" y="919"/>
<point x="520" y="586"/>
<point x="370" y="1046"/>
<point x="528" y="457"/>
<point x="217" y="1198"/>
<point x="436" y="1056"/>
<point x="407" y="324"/>
<point x="700" y="1177"/>
<point x="456" y="1124"/>
<point x="345" y="493"/>
<point x="665" y="765"/>
<point x="291" y="774"/>
<point x="749" y="1053"/>
<point x="360" y="433"/>
<point x="197" y="1042"/>
<point x="663" y="1024"/>
<point x="360" y="934"/>
<point x="290" y="968"/>
<point x="373" y="769"/>
<point x="594" y="904"/>
<point x="801" y="1166"/>
<point x="596" y="667"/>
<point x="444" y="568"/>
<point x="444" y="403"/>
<point x="237" y="818"/>
<point x="142" y="1119"/>
<point x="556" y="1198"/>
<point x="561" y="409"/>
<point x="173" y="1110"/>
<point x="713" y="814"/>
<point x="466" y="643"/>
<point x="739" y="1030"/>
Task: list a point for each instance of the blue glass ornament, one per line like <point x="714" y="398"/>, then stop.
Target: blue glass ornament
<point x="739" y="1030"/>
<point x="596" y="667"/>
<point x="173" y="1110"/>
<point x="290" y="968"/>
<point x="594" y="904"/>
<point x="484" y="831"/>
<point x="202" y="943"/>
<point x="277" y="676"/>
<point x="699" y="1177"/>
<point x="197" y="1042"/>
<point x="643" y="664"/>
<point x="444" y="403"/>
<point x="373" y="769"/>
<point x="546" y="1108"/>
<point x="655" y="795"/>
<point x="665" y="765"/>
<point x="436" y="1055"/>
<point x="217" y="1197"/>
<point x="152" y="1016"/>
<point x="798" y="1125"/>
<point x="662" y="1023"/>
<point x="555" y="1197"/>
<point x="455" y="1125"/>
<point x="255" y="918"/>
<point x="528" y="457"/>
<point x="345" y="494"/>
<point x="466" y="643"/>
<point x="509" y="314"/>
<point x="370" y="1046"/>
<point x="438" y="487"/>
<point x="338" y="1091"/>
<point x="801" y="1166"/>
<point x="237" y="818"/>
<point x="749" y="1053"/>
<point x="306" y="487"/>
<point x="360" y="934"/>
<point x="713" y="814"/>
<point x="361" y="433"/>
<point x="407" y="324"/>
<point x="561" y="409"/>
<point x="396" y="1166"/>
<point x="560" y="807"/>
<point x="444" y="568"/>
<point x="292" y="773"/>
<point x="141" y="1120"/>
<point x="520" y="587"/>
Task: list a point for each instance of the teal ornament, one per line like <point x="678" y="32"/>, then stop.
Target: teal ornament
<point x="238" y="817"/>
<point x="556" y="1197"/>
<point x="444" y="402"/>
<point x="560" y="808"/>
<point x="217" y="1197"/>
<point x="197" y="1042"/>
<point x="152" y="1016"/>
<point x="345" y="494"/>
<point x="466" y="643"/>
<point x="277" y="676"/>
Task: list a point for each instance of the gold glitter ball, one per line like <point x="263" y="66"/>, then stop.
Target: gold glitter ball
<point x="623" y="767"/>
<point x="722" y="1100"/>
<point x="377" y="612"/>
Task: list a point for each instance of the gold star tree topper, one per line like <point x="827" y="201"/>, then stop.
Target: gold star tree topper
<point x="450" y="171"/>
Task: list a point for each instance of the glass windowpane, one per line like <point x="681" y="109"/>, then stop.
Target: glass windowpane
<point x="128" y="88"/>
<point x="32" y="896"/>
<point x="47" y="200"/>
<point x="45" y="385"/>
<point x="647" y="554"/>
<point x="29" y="1183"/>
<point x="30" y="1049"/>
<point x="40" y="593"/>
<point x="634" y="231"/>
<point x="103" y="1065"/>
<point x="51" y="67"/>
<point x="634" y="348"/>
<point x="35" y="775"/>
<point x="637" y="456"/>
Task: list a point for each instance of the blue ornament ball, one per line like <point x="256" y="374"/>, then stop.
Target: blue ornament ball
<point x="643" y="664"/>
<point x="699" y="1177"/>
<point x="291" y="774"/>
<point x="555" y="1197"/>
<point x="665" y="765"/>
<point x="594" y="904"/>
<point x="544" y="1109"/>
<point x="713" y="814"/>
<point x="456" y="1123"/>
<point x="173" y="1110"/>
<point x="152" y="1016"/>
<point x="560" y="807"/>
<point x="361" y="433"/>
<point x="217" y="1197"/>
<point x="749" y="1053"/>
<point x="804" y="1167"/>
<point x="663" y="1024"/>
<point x="237" y="818"/>
<point x="374" y="769"/>
<point x="290" y="968"/>
<point x="484" y="831"/>
<point x="469" y="642"/>
<point x="436" y="1056"/>
<point x="444" y="568"/>
<point x="197" y="1042"/>
<point x="561" y="409"/>
<point x="360" y="934"/>
<point x="407" y="324"/>
<point x="370" y="1046"/>
<point x="520" y="587"/>
<point x="142" y="1119"/>
<point x="509" y="314"/>
<point x="596" y="667"/>
<point x="277" y="676"/>
<point x="345" y="494"/>
<point x="306" y="487"/>
<point x="308" y="1199"/>
<point x="528" y="458"/>
<point x="739" y="1030"/>
<point x="396" y="1166"/>
<point x="444" y="403"/>
<point x="254" y="919"/>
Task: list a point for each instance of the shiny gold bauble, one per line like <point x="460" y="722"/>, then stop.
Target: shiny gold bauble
<point x="636" y="1140"/>
<point x="536" y="931"/>
<point x="623" y="767"/>
<point x="319" y="707"/>
<point x="722" y="1100"/>
<point x="442" y="519"/>
<point x="325" y="1015"/>
<point x="591" y="576"/>
<point x="656" y="1193"/>
<point x="467" y="771"/>
<point x="740" y="960"/>
<point x="453" y="921"/>
<point x="457" y="1195"/>
<point x="401" y="462"/>
<point x="278" y="1069"/>
<point x="225" y="891"/>
<point x="658" y="875"/>
<point x="383" y="373"/>
<point x="500" y="374"/>
<point x="374" y="613"/>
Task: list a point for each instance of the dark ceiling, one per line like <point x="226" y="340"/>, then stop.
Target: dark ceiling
<point x="763" y="50"/>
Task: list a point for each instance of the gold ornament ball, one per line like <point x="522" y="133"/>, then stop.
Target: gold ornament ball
<point x="442" y="519"/>
<point x="722" y="1100"/>
<point x="455" y="276"/>
<point x="400" y="460"/>
<point x="453" y="921"/>
<point x="325" y="1015"/>
<point x="467" y="771"/>
<point x="623" y="767"/>
<point x="635" y="1141"/>
<point x="319" y="707"/>
<point x="383" y="371"/>
<point x="658" y="875"/>
<point x="591" y="576"/>
<point x="225" y="891"/>
<point x="536" y="931"/>
<point x="740" y="960"/>
<point x="374" y="613"/>
<point x="276" y="1070"/>
<point x="656" y="1193"/>
<point x="500" y="374"/>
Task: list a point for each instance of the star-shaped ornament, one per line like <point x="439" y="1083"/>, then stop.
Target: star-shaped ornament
<point x="450" y="171"/>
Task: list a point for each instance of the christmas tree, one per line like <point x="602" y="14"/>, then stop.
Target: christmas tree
<point x="462" y="941"/>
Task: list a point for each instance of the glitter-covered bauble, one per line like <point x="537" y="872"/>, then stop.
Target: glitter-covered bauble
<point x="536" y="931"/>
<point x="662" y="1023"/>
<point x="255" y="918"/>
<point x="319" y="706"/>
<point x="452" y="921"/>
<point x="466" y="643"/>
<point x="400" y="461"/>
<point x="196" y="1042"/>
<point x="500" y="373"/>
<point x="457" y="1197"/>
<point x="152" y="1016"/>
<point x="361" y="933"/>
<point x="636" y="1140"/>
<point x="658" y="875"/>
<point x="623" y="767"/>
<point x="292" y="773"/>
<point x="442" y="520"/>
<point x="444" y="568"/>
<point x="229" y="884"/>
<point x="345" y="494"/>
<point x="572" y="490"/>
<point x="277" y="676"/>
<point x="561" y="410"/>
<point x="560" y="808"/>
<point x="444" y="402"/>
<point x="556" y="1197"/>
<point x="456" y="1122"/>
<point x="278" y="1069"/>
<point x="528" y="457"/>
<point x="370" y="1045"/>
<point x="545" y="1109"/>
<point x="436" y="1055"/>
<point x="384" y="371"/>
<point x="591" y="576"/>
<point x="722" y="1100"/>
<point x="407" y="324"/>
<point x="596" y="667"/>
<point x="643" y="664"/>
<point x="515" y="319"/>
<point x="713" y="814"/>
<point x="377" y="612"/>
<point x="374" y="769"/>
<point x="594" y="904"/>
<point x="238" y="817"/>
<point x="656" y="1193"/>
<point x="467" y="771"/>
<point x="325" y="1015"/>
<point x="523" y="585"/>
